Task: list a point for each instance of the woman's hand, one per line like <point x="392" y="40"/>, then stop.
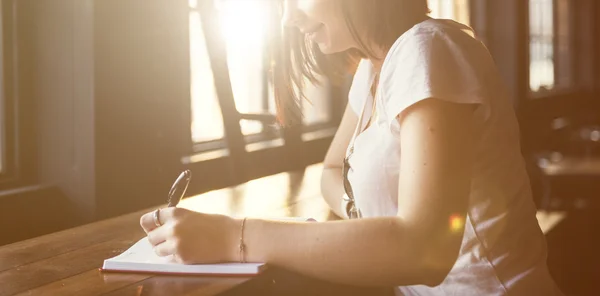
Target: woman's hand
<point x="193" y="237"/>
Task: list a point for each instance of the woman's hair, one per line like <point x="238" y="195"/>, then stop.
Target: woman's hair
<point x="296" y="58"/>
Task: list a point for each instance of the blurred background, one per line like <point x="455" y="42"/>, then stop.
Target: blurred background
<point x="104" y="102"/>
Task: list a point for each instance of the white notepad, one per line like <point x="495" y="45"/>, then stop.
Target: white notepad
<point x="141" y="258"/>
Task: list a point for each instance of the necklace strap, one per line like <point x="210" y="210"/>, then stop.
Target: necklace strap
<point x="359" y="125"/>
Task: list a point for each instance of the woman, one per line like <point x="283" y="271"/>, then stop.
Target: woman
<point x="427" y="157"/>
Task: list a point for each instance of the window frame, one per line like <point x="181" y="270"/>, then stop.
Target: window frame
<point x="5" y="119"/>
<point x="230" y="117"/>
<point x="238" y="158"/>
<point x="18" y="104"/>
<point x="559" y="89"/>
<point x="8" y="130"/>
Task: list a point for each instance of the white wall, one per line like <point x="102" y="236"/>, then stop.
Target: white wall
<point x="64" y="89"/>
<point x="110" y="83"/>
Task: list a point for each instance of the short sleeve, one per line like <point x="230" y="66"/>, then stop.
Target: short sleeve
<point x="433" y="63"/>
<point x="360" y="88"/>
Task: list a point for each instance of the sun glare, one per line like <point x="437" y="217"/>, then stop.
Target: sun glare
<point x="457" y="10"/>
<point x="244" y="23"/>
<point x="244" y="26"/>
<point x="457" y="223"/>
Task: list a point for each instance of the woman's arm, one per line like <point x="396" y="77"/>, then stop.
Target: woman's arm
<point x="370" y="252"/>
<point x="418" y="246"/>
<point x="421" y="244"/>
<point x="332" y="186"/>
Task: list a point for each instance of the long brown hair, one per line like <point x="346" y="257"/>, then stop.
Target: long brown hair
<point x="297" y="59"/>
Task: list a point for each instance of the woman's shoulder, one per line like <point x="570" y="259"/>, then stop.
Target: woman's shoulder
<point x="442" y="25"/>
<point x="437" y="59"/>
<point x="436" y="37"/>
<point x="438" y="48"/>
<point x="438" y="28"/>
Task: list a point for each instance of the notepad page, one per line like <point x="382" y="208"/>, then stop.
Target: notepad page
<point x="142" y="252"/>
<point x="141" y="258"/>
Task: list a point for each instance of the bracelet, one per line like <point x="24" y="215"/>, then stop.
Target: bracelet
<point x="345" y="206"/>
<point x="242" y="245"/>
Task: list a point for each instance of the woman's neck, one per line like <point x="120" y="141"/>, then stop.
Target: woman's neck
<point x="378" y="63"/>
<point x="379" y="53"/>
<point x="378" y="59"/>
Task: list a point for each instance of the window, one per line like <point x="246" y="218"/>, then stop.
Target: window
<point x="15" y="124"/>
<point x="244" y="28"/>
<point x="4" y="115"/>
<point x="550" y="45"/>
<point x="457" y="10"/>
<point x="207" y="122"/>
<point x="2" y="122"/>
<point x="2" y="137"/>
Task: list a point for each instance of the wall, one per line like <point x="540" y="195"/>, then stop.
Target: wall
<point x="110" y="80"/>
<point x="63" y="89"/>
<point x="142" y="101"/>
<point x="48" y="62"/>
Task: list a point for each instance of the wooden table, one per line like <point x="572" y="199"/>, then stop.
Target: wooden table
<point x="68" y="262"/>
<point x="573" y="166"/>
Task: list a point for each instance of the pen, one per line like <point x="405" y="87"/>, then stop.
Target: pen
<point x="179" y="187"/>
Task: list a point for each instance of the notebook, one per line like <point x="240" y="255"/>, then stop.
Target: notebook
<point x="140" y="258"/>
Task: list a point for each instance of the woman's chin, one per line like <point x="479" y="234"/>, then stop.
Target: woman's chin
<point x="326" y="48"/>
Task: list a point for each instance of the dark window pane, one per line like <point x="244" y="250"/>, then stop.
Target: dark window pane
<point x="541" y="45"/>
<point x="564" y="49"/>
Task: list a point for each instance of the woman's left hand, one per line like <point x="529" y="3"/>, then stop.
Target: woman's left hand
<point x="192" y="237"/>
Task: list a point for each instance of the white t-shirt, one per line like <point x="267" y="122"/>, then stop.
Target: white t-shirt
<point x="503" y="251"/>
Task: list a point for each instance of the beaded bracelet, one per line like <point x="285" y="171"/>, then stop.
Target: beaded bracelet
<point x="242" y="245"/>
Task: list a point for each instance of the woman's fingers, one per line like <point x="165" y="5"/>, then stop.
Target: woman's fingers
<point x="147" y="221"/>
<point x="177" y="234"/>
<point x="160" y="234"/>
<point x="150" y="220"/>
<point x="164" y="249"/>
